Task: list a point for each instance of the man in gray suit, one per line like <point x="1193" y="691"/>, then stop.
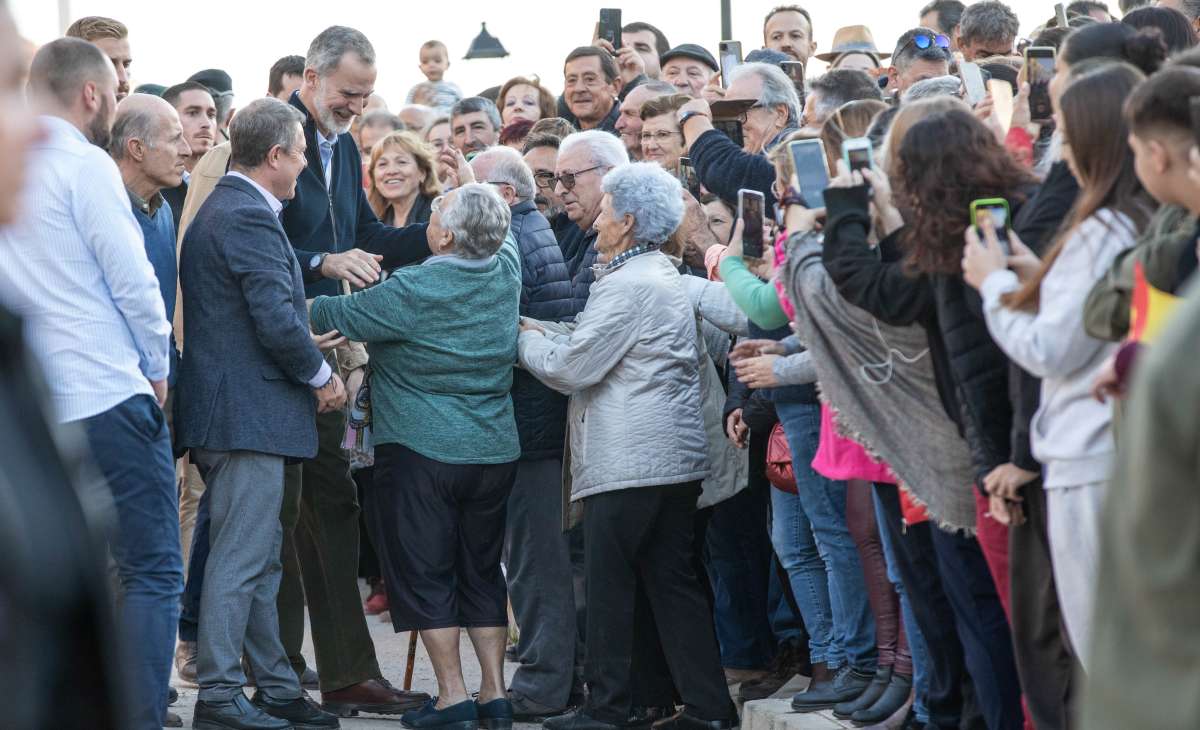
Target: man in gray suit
<point x="249" y="384"/>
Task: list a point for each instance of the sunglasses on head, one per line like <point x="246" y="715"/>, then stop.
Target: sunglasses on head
<point x="926" y="40"/>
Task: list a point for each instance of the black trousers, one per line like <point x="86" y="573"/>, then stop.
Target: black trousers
<point x="1044" y="658"/>
<point x="644" y="535"/>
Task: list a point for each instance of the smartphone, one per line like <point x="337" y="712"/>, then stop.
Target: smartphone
<point x="1195" y="107"/>
<point x="731" y="57"/>
<point x="1002" y="101"/>
<point x="750" y="210"/>
<point x="795" y="72"/>
<point x="688" y="177"/>
<point x="1060" y="15"/>
<point x="731" y="128"/>
<point x="610" y="26"/>
<point x="1039" y="60"/>
<point x="997" y="210"/>
<point x="812" y="171"/>
<point x="857" y="153"/>
<point x="972" y="79"/>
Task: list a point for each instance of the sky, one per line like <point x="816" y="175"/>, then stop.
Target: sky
<point x="171" y="41"/>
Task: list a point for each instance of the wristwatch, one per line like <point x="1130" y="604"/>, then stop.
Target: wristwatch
<point x="683" y="118"/>
<point x="314" y="264"/>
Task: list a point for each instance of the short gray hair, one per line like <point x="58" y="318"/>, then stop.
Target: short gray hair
<point x="259" y="126"/>
<point x="478" y="219"/>
<point x="382" y="118"/>
<point x="937" y="86"/>
<point x="651" y="195"/>
<point x="473" y="104"/>
<point x="327" y="49"/>
<point x="508" y="167"/>
<point x="138" y="117"/>
<point x="777" y="88"/>
<point x="988" y="21"/>
<point x="606" y="149"/>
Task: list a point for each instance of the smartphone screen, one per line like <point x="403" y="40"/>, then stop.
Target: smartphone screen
<point x="731" y="58"/>
<point x="808" y="156"/>
<point x="1040" y="61"/>
<point x="731" y="128"/>
<point x="858" y="157"/>
<point x="972" y="79"/>
<point x="610" y="26"/>
<point x="750" y="210"/>
<point x="998" y="214"/>
<point x="688" y="177"/>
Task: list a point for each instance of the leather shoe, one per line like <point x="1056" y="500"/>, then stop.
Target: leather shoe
<point x="376" y="696"/>
<point x="526" y="710"/>
<point x="302" y="712"/>
<point x="185" y="663"/>
<point x="683" y="721"/>
<point x="459" y="716"/>
<point x="579" y="720"/>
<point x="172" y="720"/>
<point x="883" y="675"/>
<point x="846" y="684"/>
<point x="888" y="703"/>
<point x="236" y="714"/>
<point x="495" y="715"/>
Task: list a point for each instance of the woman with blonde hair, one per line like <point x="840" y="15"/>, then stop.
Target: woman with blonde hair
<point x="403" y="179"/>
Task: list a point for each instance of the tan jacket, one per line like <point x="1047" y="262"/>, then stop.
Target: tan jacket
<point x="211" y="168"/>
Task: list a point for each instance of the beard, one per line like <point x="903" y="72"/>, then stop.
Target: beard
<point x="326" y="116"/>
<point x="548" y="208"/>
<point x="99" y="131"/>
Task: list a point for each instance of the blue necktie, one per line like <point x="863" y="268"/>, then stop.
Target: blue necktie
<point x="326" y="149"/>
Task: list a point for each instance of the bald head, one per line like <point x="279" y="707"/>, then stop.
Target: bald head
<point x="139" y="117"/>
<point x="148" y="145"/>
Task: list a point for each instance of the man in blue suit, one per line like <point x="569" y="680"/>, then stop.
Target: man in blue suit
<point x="250" y="385"/>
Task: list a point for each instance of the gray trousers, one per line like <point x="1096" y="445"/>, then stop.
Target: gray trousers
<point x="241" y="580"/>
<point x="540" y="585"/>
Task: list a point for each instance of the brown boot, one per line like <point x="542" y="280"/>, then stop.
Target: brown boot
<point x="185" y="663"/>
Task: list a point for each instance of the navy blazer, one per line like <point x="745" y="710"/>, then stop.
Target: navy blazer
<point x="337" y="218"/>
<point x="243" y="383"/>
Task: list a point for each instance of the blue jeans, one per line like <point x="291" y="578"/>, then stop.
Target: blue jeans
<point x="130" y="444"/>
<point x="792" y="536"/>
<point x="916" y="641"/>
<point x="189" y="613"/>
<point x="823" y="504"/>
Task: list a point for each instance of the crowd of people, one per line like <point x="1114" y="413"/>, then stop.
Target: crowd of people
<point x="528" y="365"/>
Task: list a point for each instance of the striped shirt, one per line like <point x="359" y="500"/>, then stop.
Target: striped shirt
<point x="75" y="269"/>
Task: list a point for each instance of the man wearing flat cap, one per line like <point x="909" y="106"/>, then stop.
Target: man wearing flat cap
<point x="689" y="67"/>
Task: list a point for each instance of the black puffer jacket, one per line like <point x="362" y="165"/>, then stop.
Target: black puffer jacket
<point x="540" y="412"/>
<point x="579" y="254"/>
<point x="971" y="370"/>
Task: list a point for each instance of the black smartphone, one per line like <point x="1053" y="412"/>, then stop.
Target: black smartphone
<point x="795" y="72"/>
<point x="731" y="128"/>
<point x="730" y="53"/>
<point x="1039" y="60"/>
<point x="812" y="172"/>
<point x="610" y="26"/>
<point x="688" y="177"/>
<point x="1195" y="107"/>
<point x="750" y="210"/>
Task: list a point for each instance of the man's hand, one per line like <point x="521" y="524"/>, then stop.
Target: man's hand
<point x="160" y="391"/>
<point x="460" y="172"/>
<point x="746" y="349"/>
<point x="330" y="396"/>
<point x="1006" y="480"/>
<point x="356" y="266"/>
<point x="328" y="341"/>
<point x="758" y="372"/>
<point x="354" y="382"/>
<point x="629" y="61"/>
<point x="736" y="429"/>
<point x="1009" y="514"/>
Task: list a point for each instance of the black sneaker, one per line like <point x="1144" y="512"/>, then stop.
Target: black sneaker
<point x="303" y="713"/>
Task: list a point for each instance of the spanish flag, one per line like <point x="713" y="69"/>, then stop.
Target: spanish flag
<point x="1150" y="310"/>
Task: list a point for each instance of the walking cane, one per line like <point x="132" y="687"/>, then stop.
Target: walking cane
<point x="412" y="658"/>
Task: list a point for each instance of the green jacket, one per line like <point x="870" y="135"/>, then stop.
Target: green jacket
<point x="1106" y="311"/>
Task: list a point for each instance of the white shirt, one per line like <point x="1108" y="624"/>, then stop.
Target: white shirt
<point x="322" y="376"/>
<point x="75" y="268"/>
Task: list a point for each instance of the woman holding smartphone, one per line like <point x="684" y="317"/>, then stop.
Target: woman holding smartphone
<point x="1035" y="314"/>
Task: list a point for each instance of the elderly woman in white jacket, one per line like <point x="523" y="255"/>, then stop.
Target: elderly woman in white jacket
<point x="638" y="454"/>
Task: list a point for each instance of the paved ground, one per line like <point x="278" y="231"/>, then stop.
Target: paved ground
<point x="392" y="650"/>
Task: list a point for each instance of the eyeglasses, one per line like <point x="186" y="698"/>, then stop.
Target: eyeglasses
<point x="661" y="137"/>
<point x="544" y="180"/>
<point x="926" y="40"/>
<point x="567" y="179"/>
<point x="743" y="116"/>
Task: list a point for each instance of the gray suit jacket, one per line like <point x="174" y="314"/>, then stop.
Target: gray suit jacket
<point x="243" y="382"/>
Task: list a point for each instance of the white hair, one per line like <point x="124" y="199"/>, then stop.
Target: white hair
<point x="507" y="167"/>
<point x="777" y="88"/>
<point x="606" y="149"/>
<point x="648" y="193"/>
<point x="929" y="88"/>
<point x="478" y="218"/>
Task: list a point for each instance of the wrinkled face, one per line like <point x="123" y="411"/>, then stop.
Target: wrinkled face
<point x="117" y="50"/>
<point x="688" y="75"/>
<point x="789" y="32"/>
<point x="439" y="239"/>
<point x="341" y="96"/>
<point x="614" y="233"/>
<point x="291" y="163"/>
<point x="761" y="123"/>
<point x="473" y="132"/>
<point x="720" y="220"/>
<point x="646" y="45"/>
<point x="18" y="125"/>
<point x="918" y="71"/>
<point x="521" y="102"/>
<point x="629" y="121"/>
<point x="167" y="153"/>
<point x="582" y="201"/>
<point x="662" y="142"/>
<point x="590" y="96"/>
<point x="198" y="114"/>
<point x="541" y="161"/>
<point x="434" y="63"/>
<point x="396" y="175"/>
<point x="291" y="82"/>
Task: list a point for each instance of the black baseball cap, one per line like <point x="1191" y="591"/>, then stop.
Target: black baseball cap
<point x="215" y="79"/>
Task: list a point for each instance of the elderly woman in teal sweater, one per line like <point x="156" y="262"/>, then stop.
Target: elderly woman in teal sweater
<point x="443" y="341"/>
